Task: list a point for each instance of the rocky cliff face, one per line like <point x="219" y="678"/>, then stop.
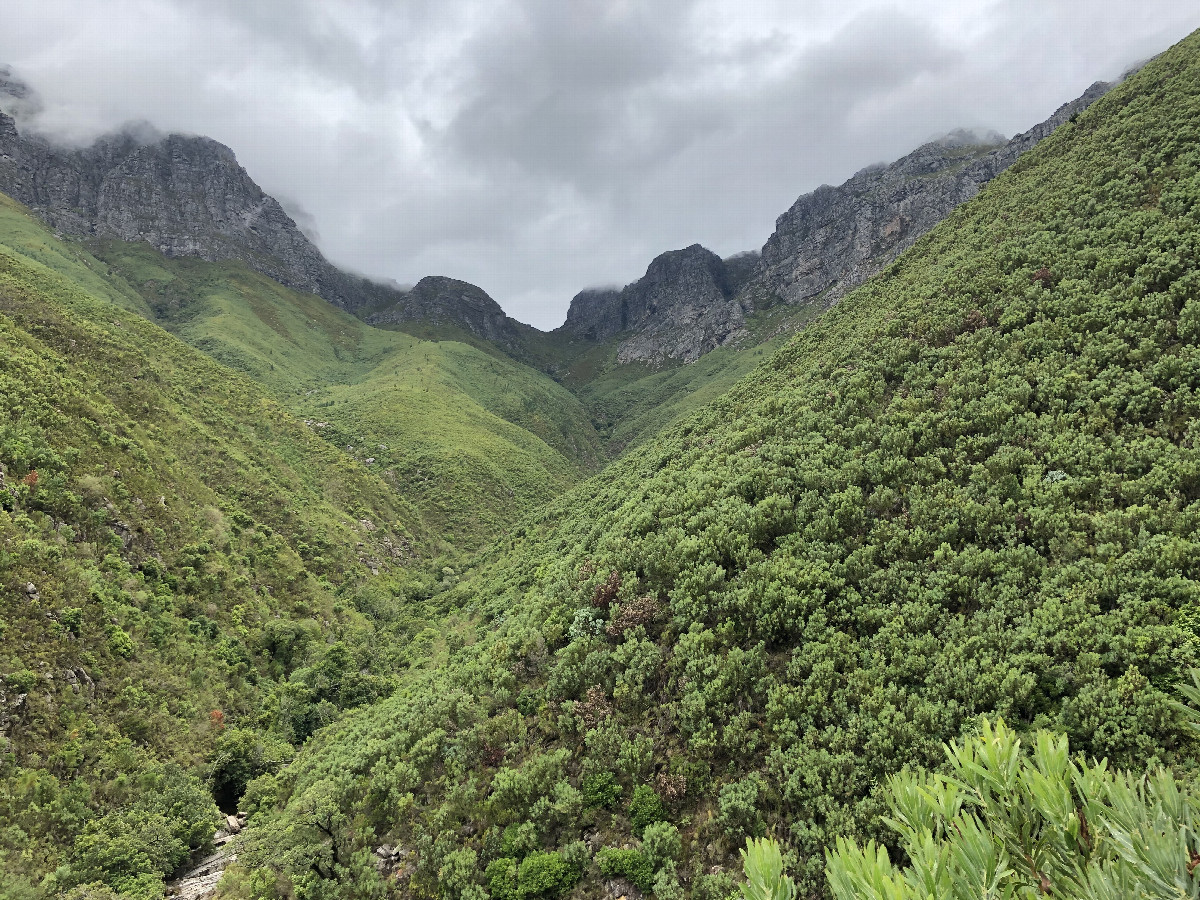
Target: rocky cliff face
<point x="447" y="301"/>
<point x="681" y="308"/>
<point x="833" y="239"/>
<point x="188" y="196"/>
<point x="829" y="242"/>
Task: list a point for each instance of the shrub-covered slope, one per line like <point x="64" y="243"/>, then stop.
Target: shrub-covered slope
<point x="181" y="569"/>
<point x="971" y="488"/>
<point x="476" y="441"/>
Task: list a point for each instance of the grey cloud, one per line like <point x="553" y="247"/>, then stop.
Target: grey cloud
<point x="534" y="147"/>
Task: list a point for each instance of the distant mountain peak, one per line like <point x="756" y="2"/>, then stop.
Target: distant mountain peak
<point x="680" y="309"/>
<point x="187" y="195"/>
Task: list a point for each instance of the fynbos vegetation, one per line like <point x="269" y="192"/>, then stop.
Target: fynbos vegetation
<point x="905" y="612"/>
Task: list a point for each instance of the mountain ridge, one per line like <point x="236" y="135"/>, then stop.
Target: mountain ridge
<point x="829" y="241"/>
<point x="139" y="188"/>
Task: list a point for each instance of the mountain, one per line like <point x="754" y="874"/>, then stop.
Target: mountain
<point x="971" y="488"/>
<point x="834" y="238"/>
<point x="187" y="196"/>
<point x="827" y="243"/>
<point x="436" y="302"/>
<point x="680" y="309"/>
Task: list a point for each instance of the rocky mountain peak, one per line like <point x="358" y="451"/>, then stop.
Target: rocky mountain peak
<point x="833" y="239"/>
<point x="184" y="195"/>
<point x="188" y="196"/>
<point x="439" y="300"/>
<point x="680" y="309"/>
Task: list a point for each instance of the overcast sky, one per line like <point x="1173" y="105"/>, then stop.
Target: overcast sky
<point x="537" y="147"/>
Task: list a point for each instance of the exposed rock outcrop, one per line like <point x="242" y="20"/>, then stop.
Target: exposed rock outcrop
<point x="188" y="196"/>
<point x="681" y="308"/>
<point x="198" y="879"/>
<point x="835" y="238"/>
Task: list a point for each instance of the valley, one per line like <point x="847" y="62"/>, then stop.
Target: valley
<point x="443" y="605"/>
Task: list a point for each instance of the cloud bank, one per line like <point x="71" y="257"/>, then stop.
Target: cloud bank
<point x="535" y="147"/>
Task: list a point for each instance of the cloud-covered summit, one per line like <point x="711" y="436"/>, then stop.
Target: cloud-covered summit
<point x="534" y="147"/>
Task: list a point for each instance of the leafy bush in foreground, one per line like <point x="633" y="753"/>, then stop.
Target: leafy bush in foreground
<point x="1002" y="823"/>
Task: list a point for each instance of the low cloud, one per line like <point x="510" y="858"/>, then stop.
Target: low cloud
<point x="534" y="147"/>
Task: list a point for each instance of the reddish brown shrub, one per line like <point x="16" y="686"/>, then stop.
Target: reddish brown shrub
<point x="642" y="611"/>
<point x="490" y="755"/>
<point x="606" y="593"/>
<point x="975" y="320"/>
<point x="671" y="788"/>
<point x="586" y="570"/>
<point x="594" y="708"/>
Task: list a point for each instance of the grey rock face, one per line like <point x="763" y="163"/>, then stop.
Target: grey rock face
<point x="833" y="239"/>
<point x="447" y="301"/>
<point x="681" y="308"/>
<point x="829" y="242"/>
<point x="185" y="196"/>
<point x="595" y="314"/>
<point x="188" y="196"/>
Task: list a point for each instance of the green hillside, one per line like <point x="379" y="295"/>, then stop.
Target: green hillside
<point x="183" y="569"/>
<point x="630" y="403"/>
<point x="972" y="488"/>
<point x="474" y="439"/>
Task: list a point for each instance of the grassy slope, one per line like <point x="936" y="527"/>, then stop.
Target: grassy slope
<point x="629" y="404"/>
<point x="475" y="439"/>
<point x="972" y="487"/>
<point x="192" y="547"/>
<point x="28" y="238"/>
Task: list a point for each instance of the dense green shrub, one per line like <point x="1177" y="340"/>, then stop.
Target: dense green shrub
<point x="631" y="864"/>
<point x="519" y="839"/>
<point x="501" y="878"/>
<point x="135" y="848"/>
<point x="645" y="808"/>
<point x="601" y="790"/>
<point x="1002" y="822"/>
<point x="661" y="844"/>
<point x="737" y="803"/>
<point x="545" y="875"/>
